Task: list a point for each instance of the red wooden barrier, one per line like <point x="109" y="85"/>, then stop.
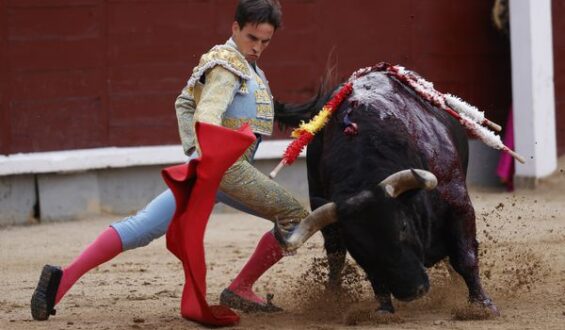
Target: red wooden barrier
<point x="92" y="73"/>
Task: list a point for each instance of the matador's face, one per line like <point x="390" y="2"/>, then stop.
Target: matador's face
<point x="252" y="39"/>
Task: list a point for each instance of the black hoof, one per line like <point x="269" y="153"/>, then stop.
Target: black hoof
<point x="232" y="300"/>
<point x="334" y="286"/>
<point x="385" y="304"/>
<point x="43" y="298"/>
<point x="385" y="310"/>
<point x="489" y="306"/>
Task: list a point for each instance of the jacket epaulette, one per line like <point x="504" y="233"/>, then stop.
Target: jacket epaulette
<point x="226" y="56"/>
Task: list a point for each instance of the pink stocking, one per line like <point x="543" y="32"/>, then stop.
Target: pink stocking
<point x="267" y="253"/>
<point x="106" y="246"/>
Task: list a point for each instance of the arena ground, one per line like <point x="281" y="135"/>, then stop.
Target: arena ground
<point x="522" y="238"/>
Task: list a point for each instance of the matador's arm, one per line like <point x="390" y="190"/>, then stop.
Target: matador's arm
<point x="215" y="96"/>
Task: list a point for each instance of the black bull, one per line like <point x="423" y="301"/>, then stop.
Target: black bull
<point x="392" y="232"/>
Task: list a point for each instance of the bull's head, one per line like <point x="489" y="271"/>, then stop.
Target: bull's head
<point x="392" y="253"/>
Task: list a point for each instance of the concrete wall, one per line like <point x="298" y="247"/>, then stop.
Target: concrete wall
<point x="127" y="190"/>
<point x="67" y="196"/>
<point x="17" y="199"/>
<point x="51" y="197"/>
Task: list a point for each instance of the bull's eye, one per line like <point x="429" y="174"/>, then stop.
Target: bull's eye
<point x="404" y="226"/>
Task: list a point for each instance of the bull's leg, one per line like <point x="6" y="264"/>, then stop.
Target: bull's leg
<point x="333" y="238"/>
<point x="336" y="251"/>
<point x="463" y="255"/>
<point x="384" y="314"/>
<point x="382" y="294"/>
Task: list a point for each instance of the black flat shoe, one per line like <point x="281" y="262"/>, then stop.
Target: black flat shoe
<point x="43" y="298"/>
<point x="230" y="299"/>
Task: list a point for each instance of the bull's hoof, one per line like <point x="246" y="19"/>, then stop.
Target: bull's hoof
<point x="385" y="309"/>
<point x="385" y="304"/>
<point x="477" y="310"/>
<point x="490" y="306"/>
<point x="334" y="286"/>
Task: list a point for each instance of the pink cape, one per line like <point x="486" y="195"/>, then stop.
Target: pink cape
<point x="505" y="168"/>
<point x="194" y="186"/>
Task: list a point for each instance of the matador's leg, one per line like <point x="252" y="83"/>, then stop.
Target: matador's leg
<point x="245" y="184"/>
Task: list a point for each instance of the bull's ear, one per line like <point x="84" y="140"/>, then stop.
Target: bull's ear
<point x="402" y="181"/>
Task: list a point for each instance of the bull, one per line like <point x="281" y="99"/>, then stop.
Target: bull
<point x="393" y="194"/>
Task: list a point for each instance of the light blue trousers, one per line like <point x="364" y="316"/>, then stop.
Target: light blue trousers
<point x="153" y="221"/>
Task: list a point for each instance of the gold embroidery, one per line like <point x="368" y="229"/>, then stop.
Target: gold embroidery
<point x="263" y="100"/>
<point x="189" y="91"/>
<point x="247" y="185"/>
<point x="262" y="97"/>
<point x="259" y="83"/>
<point x="260" y="126"/>
<point x="243" y="88"/>
<point x="227" y="57"/>
<point x="265" y="111"/>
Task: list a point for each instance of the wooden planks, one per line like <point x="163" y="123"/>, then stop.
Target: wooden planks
<point x="84" y="73"/>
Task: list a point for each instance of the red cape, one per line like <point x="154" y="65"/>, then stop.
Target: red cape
<point x="194" y="186"/>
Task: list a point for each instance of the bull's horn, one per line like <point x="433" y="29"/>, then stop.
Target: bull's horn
<point x="318" y="219"/>
<point x="402" y="181"/>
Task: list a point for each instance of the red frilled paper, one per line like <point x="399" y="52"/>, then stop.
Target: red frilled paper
<point x="194" y="186"/>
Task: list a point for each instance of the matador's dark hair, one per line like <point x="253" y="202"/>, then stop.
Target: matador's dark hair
<point x="258" y="11"/>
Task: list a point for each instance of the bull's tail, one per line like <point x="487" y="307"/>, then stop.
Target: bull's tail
<point x="290" y="115"/>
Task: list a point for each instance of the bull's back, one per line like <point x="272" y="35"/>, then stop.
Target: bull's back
<point x="397" y="130"/>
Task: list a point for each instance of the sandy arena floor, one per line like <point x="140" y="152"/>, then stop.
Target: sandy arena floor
<point x="522" y="239"/>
